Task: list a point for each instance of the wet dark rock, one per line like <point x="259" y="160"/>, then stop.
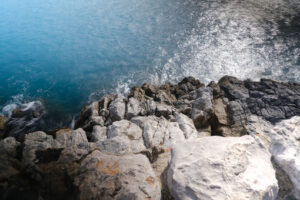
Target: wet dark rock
<point x="187" y="85"/>
<point x="233" y="88"/>
<point x="269" y="99"/>
<point x="25" y="119"/>
<point x="86" y="115"/>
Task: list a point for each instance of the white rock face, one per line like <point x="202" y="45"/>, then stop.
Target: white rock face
<point x="157" y="131"/>
<point x="285" y="147"/>
<point x="186" y="124"/>
<point x="175" y="133"/>
<point x="217" y="168"/>
<point x="123" y="137"/>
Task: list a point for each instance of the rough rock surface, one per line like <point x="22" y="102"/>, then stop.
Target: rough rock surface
<point x="285" y="148"/>
<point x="98" y="134"/>
<point x="269" y="99"/>
<point x="222" y="168"/>
<point x="75" y="145"/>
<point x="117" y="109"/>
<point x="139" y="131"/>
<point x="25" y="118"/>
<point x="8" y="161"/>
<point x="186" y="125"/>
<point x="102" y="176"/>
<point x="123" y="137"/>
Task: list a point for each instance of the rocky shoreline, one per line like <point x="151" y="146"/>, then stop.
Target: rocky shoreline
<point x="228" y="140"/>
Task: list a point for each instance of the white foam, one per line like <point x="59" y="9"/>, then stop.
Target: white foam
<point x="237" y="38"/>
<point x="8" y="109"/>
<point x="232" y="39"/>
<point x="17" y="101"/>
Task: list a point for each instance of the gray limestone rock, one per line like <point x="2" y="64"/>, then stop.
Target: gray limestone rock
<point x="104" y="176"/>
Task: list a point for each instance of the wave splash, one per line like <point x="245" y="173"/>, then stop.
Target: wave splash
<point x="249" y="39"/>
<point x="23" y="117"/>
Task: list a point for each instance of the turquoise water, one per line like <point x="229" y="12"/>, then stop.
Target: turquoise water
<point x="67" y="53"/>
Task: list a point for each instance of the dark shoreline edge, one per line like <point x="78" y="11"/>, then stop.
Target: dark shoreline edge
<point x="273" y="100"/>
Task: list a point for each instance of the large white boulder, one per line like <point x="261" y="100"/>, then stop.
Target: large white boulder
<point x="219" y="168"/>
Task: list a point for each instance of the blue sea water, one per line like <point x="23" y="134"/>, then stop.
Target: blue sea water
<point x="67" y="53"/>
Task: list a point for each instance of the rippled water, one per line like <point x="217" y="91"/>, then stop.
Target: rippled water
<point x="66" y="53"/>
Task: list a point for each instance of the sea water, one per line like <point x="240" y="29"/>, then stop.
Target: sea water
<point x="65" y="53"/>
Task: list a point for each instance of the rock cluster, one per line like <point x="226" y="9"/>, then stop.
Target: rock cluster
<point x="227" y="140"/>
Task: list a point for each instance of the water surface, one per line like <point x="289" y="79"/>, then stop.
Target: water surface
<point x="66" y="53"/>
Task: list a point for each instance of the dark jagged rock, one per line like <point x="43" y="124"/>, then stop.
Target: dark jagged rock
<point x="187" y="85"/>
<point x="274" y="101"/>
